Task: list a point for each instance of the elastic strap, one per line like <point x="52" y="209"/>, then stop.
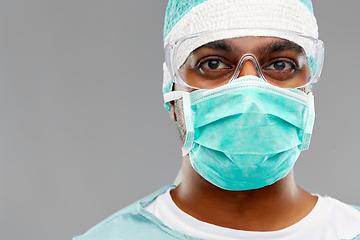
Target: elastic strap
<point x="309" y="123"/>
<point x="171" y="96"/>
<point x="189" y="140"/>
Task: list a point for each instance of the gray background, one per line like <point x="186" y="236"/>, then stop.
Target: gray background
<point x="83" y="131"/>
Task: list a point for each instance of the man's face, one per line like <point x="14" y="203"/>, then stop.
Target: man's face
<point x="281" y="62"/>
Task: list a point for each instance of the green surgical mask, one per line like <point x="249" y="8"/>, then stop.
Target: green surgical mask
<point x="246" y="134"/>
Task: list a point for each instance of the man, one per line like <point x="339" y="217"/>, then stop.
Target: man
<point x="238" y="81"/>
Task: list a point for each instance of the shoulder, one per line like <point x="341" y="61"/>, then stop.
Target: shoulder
<point x="350" y="212"/>
<point x="356" y="238"/>
<point x="132" y="222"/>
<point x="343" y="218"/>
<point x="358" y="209"/>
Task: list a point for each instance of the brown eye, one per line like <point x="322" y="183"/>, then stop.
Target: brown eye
<point x="281" y="70"/>
<point x="279" y="65"/>
<point x="282" y="65"/>
<point x="213" y="64"/>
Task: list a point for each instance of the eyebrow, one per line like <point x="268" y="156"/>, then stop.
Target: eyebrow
<point x="273" y="47"/>
<point x="216" y="45"/>
<point x="280" y="45"/>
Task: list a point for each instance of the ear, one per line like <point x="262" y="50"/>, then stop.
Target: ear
<point x="307" y="89"/>
<point x="172" y="111"/>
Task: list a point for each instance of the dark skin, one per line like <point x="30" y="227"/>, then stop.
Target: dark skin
<point x="269" y="51"/>
<point x="270" y="208"/>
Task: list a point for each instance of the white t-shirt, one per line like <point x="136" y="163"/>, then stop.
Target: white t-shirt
<point x="330" y="219"/>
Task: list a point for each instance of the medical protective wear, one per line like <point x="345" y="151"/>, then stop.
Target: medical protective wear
<point x="330" y="220"/>
<point x="246" y="134"/>
<point x="243" y="132"/>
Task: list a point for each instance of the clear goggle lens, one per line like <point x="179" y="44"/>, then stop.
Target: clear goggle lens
<point x="288" y="61"/>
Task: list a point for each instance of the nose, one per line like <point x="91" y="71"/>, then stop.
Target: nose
<point x="248" y="68"/>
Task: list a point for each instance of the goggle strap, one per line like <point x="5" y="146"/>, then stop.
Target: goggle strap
<point x="171" y="96"/>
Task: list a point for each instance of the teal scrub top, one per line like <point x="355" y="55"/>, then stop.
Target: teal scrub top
<point x="134" y="222"/>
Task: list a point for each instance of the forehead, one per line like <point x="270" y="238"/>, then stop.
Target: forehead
<point x="252" y="44"/>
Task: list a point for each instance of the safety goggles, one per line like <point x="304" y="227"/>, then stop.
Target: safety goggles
<point x="211" y="59"/>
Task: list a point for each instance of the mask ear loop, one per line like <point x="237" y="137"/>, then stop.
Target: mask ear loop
<point x="309" y="123"/>
<point x="242" y="61"/>
<point x="189" y="140"/>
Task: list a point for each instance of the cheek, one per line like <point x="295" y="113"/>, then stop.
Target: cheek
<point x="172" y="112"/>
<point x="192" y="78"/>
<point x="178" y="108"/>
